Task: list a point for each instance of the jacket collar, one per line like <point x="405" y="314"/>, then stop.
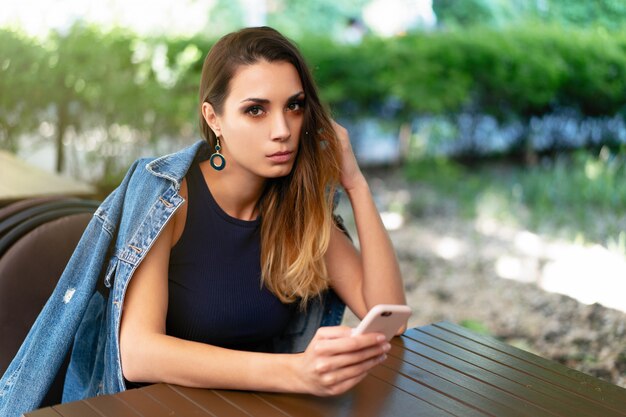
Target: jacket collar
<point x="174" y="166"/>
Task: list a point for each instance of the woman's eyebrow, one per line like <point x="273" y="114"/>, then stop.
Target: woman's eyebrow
<point x="295" y="96"/>
<point x="256" y="100"/>
<point x="265" y="101"/>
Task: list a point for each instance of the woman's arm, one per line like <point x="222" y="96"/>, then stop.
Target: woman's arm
<point x="333" y="362"/>
<point x="372" y="276"/>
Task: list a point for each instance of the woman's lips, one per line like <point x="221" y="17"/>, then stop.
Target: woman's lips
<point x="281" y="157"/>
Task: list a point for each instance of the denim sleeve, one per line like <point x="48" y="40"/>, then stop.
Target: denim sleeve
<point x="32" y="371"/>
<point x="29" y="376"/>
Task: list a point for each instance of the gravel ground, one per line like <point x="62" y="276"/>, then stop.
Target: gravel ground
<point x="453" y="271"/>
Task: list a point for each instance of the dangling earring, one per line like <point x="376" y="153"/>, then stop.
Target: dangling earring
<point x="217" y="155"/>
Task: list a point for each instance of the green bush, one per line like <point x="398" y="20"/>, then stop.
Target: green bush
<point x="94" y="79"/>
<point x="521" y="71"/>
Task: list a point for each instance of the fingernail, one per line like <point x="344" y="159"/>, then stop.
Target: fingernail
<point x="386" y="347"/>
<point x="380" y="338"/>
<point x="382" y="357"/>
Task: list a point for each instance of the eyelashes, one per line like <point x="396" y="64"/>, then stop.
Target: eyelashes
<point x="257" y="110"/>
<point x="254" y="111"/>
<point x="296" y="105"/>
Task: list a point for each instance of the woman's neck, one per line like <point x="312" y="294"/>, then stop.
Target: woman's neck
<point x="235" y="192"/>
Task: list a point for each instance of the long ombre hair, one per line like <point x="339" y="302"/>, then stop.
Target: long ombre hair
<point x="296" y="210"/>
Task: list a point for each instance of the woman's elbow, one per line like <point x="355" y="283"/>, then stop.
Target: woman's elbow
<point x="131" y="359"/>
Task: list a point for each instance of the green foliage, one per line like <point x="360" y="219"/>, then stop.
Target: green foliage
<point x="116" y="82"/>
<point x="577" y="195"/>
<point x="177" y="76"/>
<point x="301" y="19"/>
<point x="425" y="71"/>
<point x="93" y="83"/>
<point x="609" y="14"/>
<point x="578" y="185"/>
<point x="518" y="71"/>
<point x="476" y="326"/>
<point x="464" y="13"/>
<point x="22" y="95"/>
<point x="114" y="85"/>
<point x="521" y="71"/>
<point x="605" y="13"/>
<point x="453" y="189"/>
<point x="332" y="65"/>
<point x="225" y="16"/>
<point x="297" y="19"/>
<point x="93" y="75"/>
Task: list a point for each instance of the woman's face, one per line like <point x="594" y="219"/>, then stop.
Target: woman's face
<point x="261" y="119"/>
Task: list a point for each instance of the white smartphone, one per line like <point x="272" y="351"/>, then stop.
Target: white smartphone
<point x="384" y="318"/>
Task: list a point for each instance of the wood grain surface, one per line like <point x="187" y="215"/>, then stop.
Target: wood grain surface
<point x="436" y="370"/>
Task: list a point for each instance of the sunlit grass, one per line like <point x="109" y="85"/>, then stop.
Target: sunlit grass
<point x="579" y="196"/>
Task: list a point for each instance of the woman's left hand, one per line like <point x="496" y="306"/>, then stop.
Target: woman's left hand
<point x="351" y="174"/>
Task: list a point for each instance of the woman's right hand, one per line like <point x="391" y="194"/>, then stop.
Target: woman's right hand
<point x="336" y="361"/>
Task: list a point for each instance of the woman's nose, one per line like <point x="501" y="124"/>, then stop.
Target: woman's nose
<point x="280" y="127"/>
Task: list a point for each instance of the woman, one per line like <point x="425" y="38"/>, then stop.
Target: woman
<point x="232" y="249"/>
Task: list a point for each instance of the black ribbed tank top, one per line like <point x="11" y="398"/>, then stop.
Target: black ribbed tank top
<point x="215" y="295"/>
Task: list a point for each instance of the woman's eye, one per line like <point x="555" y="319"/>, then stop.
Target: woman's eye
<point x="295" y="106"/>
<point x="255" y="111"/>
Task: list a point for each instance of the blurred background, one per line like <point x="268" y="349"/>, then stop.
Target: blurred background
<point x="493" y="134"/>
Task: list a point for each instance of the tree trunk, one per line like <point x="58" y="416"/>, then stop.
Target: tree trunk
<point x="8" y="137"/>
<point x="62" y="124"/>
<point x="404" y="138"/>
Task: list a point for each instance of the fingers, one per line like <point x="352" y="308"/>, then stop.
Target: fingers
<point x="350" y="172"/>
<point x="336" y="125"/>
<point x="342" y="379"/>
<point x="346" y="385"/>
<point x="335" y="360"/>
<point x="340" y="131"/>
<point x="333" y="332"/>
<point x="330" y="363"/>
<point x="338" y="340"/>
<point x="348" y="344"/>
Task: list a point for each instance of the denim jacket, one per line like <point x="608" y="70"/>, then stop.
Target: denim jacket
<point x="80" y="317"/>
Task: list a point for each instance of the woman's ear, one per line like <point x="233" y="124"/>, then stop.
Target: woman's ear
<point x="211" y="118"/>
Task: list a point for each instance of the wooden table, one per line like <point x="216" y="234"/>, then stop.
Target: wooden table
<point x="436" y="370"/>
